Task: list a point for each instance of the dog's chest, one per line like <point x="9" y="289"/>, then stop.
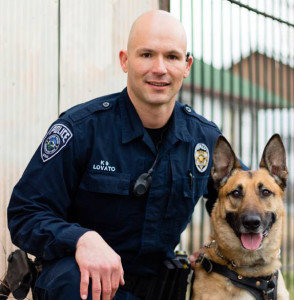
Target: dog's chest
<point x="214" y="286"/>
<point x="244" y="295"/>
<point x="232" y="292"/>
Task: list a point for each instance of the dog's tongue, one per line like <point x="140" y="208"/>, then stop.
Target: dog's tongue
<point x="251" y="241"/>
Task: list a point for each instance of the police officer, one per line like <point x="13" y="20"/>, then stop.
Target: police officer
<point x="115" y="180"/>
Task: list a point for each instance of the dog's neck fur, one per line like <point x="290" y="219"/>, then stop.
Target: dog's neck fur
<point x="256" y="268"/>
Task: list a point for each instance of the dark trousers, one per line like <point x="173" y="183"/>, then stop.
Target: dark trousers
<point x="60" y="280"/>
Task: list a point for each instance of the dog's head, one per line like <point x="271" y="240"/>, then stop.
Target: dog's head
<point x="250" y="202"/>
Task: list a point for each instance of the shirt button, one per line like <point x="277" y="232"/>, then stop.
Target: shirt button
<point x="188" y="109"/>
<point x="105" y="104"/>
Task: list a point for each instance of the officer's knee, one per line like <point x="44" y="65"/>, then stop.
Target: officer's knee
<point x="59" y="279"/>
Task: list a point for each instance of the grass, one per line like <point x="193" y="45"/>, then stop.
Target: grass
<point x="289" y="278"/>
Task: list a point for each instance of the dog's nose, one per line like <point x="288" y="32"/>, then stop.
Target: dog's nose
<point x="251" y="221"/>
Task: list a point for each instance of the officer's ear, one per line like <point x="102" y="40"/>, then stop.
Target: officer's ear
<point x="123" y="58"/>
<point x="189" y="62"/>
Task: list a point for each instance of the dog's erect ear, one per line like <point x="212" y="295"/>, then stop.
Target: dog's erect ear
<point x="224" y="162"/>
<point x="274" y="160"/>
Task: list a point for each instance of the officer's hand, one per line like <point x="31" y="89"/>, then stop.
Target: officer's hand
<point x="193" y="257"/>
<point x="99" y="262"/>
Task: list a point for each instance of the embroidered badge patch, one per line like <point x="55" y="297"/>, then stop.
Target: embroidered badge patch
<point x="56" y="138"/>
<point x="201" y="155"/>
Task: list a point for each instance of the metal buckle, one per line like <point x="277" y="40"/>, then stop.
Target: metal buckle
<point x="200" y="258"/>
<point x="269" y="294"/>
<point x="205" y="262"/>
<point x="210" y="266"/>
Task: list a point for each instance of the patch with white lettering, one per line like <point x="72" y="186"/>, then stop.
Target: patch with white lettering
<point x="201" y="155"/>
<point x="54" y="141"/>
<point x="104" y="165"/>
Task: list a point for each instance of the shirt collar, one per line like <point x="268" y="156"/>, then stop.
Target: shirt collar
<point x="132" y="126"/>
<point x="178" y="127"/>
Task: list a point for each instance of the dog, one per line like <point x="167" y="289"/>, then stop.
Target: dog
<point x="242" y="260"/>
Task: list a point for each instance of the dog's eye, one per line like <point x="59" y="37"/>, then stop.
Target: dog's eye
<point x="266" y="193"/>
<point x="236" y="194"/>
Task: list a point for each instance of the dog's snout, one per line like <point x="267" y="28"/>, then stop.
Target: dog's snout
<point x="251" y="221"/>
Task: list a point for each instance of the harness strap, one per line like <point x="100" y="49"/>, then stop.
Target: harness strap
<point x="262" y="288"/>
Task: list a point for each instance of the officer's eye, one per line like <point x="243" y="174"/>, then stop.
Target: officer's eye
<point x="146" y="55"/>
<point x="266" y="193"/>
<point x="172" y="57"/>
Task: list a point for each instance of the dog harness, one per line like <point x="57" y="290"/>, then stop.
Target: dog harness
<point x="262" y="288"/>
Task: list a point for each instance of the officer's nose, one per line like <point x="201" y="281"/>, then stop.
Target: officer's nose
<point x="159" y="66"/>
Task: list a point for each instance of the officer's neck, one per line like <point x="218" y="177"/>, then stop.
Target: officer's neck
<point x="154" y="116"/>
<point x="155" y="120"/>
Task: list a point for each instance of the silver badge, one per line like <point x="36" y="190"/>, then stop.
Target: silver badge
<point x="201" y="155"/>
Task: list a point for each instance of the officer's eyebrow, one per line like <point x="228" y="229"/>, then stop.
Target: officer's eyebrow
<point x="144" y="50"/>
<point x="170" y="52"/>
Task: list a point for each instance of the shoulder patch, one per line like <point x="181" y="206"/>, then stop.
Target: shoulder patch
<point x="54" y="141"/>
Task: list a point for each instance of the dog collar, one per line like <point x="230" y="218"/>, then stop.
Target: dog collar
<point x="231" y="262"/>
<point x="219" y="254"/>
<point x="262" y="288"/>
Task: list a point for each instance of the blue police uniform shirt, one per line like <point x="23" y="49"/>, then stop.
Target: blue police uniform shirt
<point x="81" y="178"/>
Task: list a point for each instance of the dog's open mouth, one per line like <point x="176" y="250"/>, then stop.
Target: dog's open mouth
<point x="251" y="241"/>
<point x="251" y="233"/>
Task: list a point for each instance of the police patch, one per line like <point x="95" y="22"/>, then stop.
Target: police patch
<point x="201" y="155"/>
<point x="56" y="138"/>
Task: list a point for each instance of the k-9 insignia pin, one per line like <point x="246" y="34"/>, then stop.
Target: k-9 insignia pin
<point x="54" y="141"/>
<point x="201" y="155"/>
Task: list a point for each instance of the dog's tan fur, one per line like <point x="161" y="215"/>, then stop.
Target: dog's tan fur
<point x="227" y="246"/>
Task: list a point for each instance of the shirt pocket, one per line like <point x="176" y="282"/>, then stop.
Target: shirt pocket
<point x="100" y="198"/>
<point x="184" y="197"/>
<point x="195" y="188"/>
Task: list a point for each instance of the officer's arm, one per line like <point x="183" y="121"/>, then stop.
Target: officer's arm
<point x="41" y="200"/>
<point x="40" y="206"/>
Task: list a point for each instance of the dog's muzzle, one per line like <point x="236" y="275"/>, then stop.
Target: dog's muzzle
<point x="251" y="228"/>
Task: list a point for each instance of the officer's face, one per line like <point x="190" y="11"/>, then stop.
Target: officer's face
<point x="156" y="62"/>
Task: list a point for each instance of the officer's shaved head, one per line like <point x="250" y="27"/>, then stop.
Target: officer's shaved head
<point x="157" y="21"/>
<point x="156" y="64"/>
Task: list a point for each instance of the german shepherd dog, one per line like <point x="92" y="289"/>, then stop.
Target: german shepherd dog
<point x="243" y="259"/>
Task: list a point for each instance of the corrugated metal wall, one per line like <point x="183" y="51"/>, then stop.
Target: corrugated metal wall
<point x="53" y="54"/>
